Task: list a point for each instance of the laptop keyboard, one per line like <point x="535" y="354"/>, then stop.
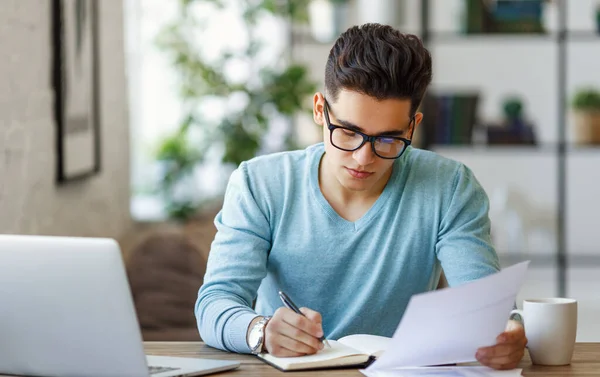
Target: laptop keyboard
<point x="157" y="370"/>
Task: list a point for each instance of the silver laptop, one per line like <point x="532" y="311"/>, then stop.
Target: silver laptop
<point x="66" y="310"/>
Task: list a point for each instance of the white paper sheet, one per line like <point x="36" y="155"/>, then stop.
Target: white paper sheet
<point x="474" y="371"/>
<point x="448" y="326"/>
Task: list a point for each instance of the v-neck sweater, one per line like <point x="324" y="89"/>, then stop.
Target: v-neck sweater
<point x="277" y="232"/>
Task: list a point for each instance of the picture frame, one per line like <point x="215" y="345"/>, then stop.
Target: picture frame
<point x="75" y="81"/>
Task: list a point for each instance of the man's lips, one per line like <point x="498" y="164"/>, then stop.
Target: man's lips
<point x="359" y="174"/>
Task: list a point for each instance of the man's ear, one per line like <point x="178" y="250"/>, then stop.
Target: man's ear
<point x="416" y="123"/>
<point x="319" y="108"/>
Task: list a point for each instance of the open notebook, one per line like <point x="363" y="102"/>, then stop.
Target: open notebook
<point x="350" y="351"/>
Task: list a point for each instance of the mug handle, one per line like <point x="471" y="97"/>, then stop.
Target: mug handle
<point x="520" y="313"/>
<point x="517" y="311"/>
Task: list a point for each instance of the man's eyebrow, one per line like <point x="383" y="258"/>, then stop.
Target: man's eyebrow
<point x="354" y="127"/>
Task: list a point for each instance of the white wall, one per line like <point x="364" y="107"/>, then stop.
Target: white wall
<point x="30" y="201"/>
<point x="499" y="67"/>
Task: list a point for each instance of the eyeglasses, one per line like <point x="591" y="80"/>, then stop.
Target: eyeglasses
<point x="349" y="140"/>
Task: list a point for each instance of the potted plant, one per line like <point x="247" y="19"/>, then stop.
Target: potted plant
<point x="586" y="113"/>
<point x="176" y="162"/>
<point x="273" y="92"/>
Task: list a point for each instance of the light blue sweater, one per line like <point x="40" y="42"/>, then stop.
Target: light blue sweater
<point x="276" y="231"/>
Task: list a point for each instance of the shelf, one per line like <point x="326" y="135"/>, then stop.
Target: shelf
<point x="495" y="148"/>
<point x="548" y="260"/>
<point x="583" y="36"/>
<point x="547" y="148"/>
<point x="449" y="36"/>
<point x="583" y="148"/>
<point x="302" y="37"/>
<point x="572" y="36"/>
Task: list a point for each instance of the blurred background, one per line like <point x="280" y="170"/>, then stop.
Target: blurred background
<point x="125" y="118"/>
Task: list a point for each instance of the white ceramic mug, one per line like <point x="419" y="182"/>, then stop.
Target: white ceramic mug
<point x="551" y="329"/>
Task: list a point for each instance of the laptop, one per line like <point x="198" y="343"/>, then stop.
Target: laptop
<point x="66" y="310"/>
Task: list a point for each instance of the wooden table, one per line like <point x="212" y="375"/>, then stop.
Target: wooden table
<point x="586" y="361"/>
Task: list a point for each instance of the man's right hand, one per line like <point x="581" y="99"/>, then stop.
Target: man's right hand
<point x="289" y="334"/>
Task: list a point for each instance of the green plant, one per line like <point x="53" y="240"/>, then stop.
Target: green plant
<point x="271" y="91"/>
<point x="586" y="99"/>
<point x="513" y="108"/>
<point x="177" y="159"/>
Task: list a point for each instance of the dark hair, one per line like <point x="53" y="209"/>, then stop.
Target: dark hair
<point x="379" y="61"/>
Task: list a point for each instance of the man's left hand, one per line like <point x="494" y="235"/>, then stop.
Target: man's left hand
<point x="509" y="348"/>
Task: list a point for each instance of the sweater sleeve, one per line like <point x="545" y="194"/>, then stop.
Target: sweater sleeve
<point x="237" y="263"/>
<point x="464" y="247"/>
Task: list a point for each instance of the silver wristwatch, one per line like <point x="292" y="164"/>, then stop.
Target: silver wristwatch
<point x="256" y="337"/>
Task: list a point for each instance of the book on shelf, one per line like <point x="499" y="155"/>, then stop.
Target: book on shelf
<point x="449" y="118"/>
<point x="503" y="16"/>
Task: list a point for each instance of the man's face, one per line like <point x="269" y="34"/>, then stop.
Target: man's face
<point x="362" y="170"/>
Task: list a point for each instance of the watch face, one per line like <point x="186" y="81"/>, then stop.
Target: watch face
<point x="254" y="338"/>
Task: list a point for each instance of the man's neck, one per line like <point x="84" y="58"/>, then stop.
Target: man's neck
<point x="349" y="204"/>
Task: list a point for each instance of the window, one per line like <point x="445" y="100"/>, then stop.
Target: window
<point x="155" y="107"/>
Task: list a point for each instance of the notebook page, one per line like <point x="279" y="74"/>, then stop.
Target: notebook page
<point x="337" y="350"/>
<point x="368" y="344"/>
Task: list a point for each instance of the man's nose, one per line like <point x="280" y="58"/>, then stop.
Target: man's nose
<point x="364" y="155"/>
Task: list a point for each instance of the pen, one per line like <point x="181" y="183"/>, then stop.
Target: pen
<point x="290" y="305"/>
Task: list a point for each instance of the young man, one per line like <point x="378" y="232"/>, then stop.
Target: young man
<point x="352" y="227"/>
